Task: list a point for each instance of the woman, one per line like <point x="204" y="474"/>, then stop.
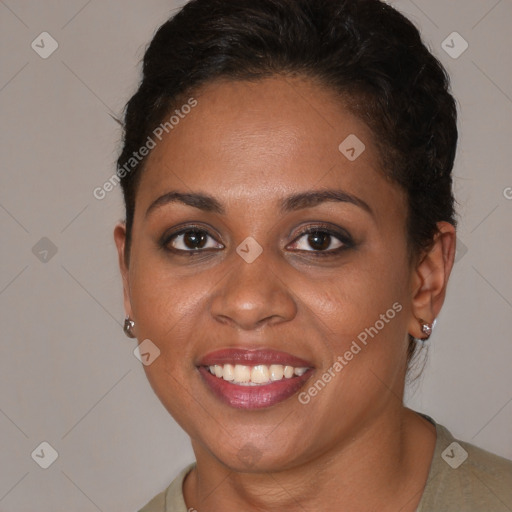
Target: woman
<point x="289" y="235"/>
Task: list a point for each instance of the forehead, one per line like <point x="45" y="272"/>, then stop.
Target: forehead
<point x="256" y="140"/>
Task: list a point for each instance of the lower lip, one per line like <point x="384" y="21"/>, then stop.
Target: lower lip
<point x="253" y="397"/>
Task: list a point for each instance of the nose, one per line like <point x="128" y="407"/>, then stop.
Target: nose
<point x="253" y="295"/>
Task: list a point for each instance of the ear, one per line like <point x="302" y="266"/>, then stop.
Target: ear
<point x="120" y="240"/>
<point x="430" y="278"/>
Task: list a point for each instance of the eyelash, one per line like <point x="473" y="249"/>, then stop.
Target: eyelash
<point x="342" y="236"/>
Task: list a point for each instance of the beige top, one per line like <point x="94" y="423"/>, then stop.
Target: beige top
<point x="462" y="477"/>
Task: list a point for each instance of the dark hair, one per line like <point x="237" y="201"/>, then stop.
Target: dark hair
<point x="365" y="51"/>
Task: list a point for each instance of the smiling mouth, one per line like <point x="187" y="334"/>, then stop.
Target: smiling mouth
<point x="258" y="375"/>
<point x="253" y="379"/>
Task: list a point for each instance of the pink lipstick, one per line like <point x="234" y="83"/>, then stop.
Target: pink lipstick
<point x="253" y="379"/>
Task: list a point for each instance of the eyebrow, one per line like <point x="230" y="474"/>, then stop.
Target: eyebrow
<point x="314" y="198"/>
<point x="291" y="203"/>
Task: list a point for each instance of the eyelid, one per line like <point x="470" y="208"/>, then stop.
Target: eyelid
<point x="339" y="233"/>
<point x="169" y="235"/>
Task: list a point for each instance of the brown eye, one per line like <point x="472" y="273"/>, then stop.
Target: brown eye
<point x="192" y="240"/>
<point x="319" y="241"/>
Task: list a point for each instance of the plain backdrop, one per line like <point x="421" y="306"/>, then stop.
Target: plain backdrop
<point x="68" y="375"/>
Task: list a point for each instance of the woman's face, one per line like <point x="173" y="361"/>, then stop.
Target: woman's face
<point x="236" y="271"/>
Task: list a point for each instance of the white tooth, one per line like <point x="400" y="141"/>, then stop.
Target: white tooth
<point x="276" y="372"/>
<point x="288" y="372"/>
<point x="218" y="370"/>
<point x="259" y="374"/>
<point x="212" y="369"/>
<point x="242" y="373"/>
<point x="228" y="372"/>
<point x="300" y="371"/>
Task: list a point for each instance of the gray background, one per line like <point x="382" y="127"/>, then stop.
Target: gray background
<point x="68" y="375"/>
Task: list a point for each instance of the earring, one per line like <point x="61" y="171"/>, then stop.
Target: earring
<point x="129" y="324"/>
<point x="426" y="328"/>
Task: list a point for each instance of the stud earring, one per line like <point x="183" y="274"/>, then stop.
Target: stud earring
<point x="426" y="328"/>
<point x="129" y="324"/>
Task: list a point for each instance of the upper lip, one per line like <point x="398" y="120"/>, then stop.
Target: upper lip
<point x="252" y="358"/>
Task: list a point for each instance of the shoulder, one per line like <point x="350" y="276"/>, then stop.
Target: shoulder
<point x="465" y="477"/>
<point x="157" y="504"/>
<point x="170" y="499"/>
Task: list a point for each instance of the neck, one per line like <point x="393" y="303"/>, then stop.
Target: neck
<point x="387" y="463"/>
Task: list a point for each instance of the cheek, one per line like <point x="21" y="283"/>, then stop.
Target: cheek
<point x="361" y="313"/>
<point x="354" y="297"/>
<point x="161" y="299"/>
<point x="165" y="308"/>
<point x="362" y="319"/>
